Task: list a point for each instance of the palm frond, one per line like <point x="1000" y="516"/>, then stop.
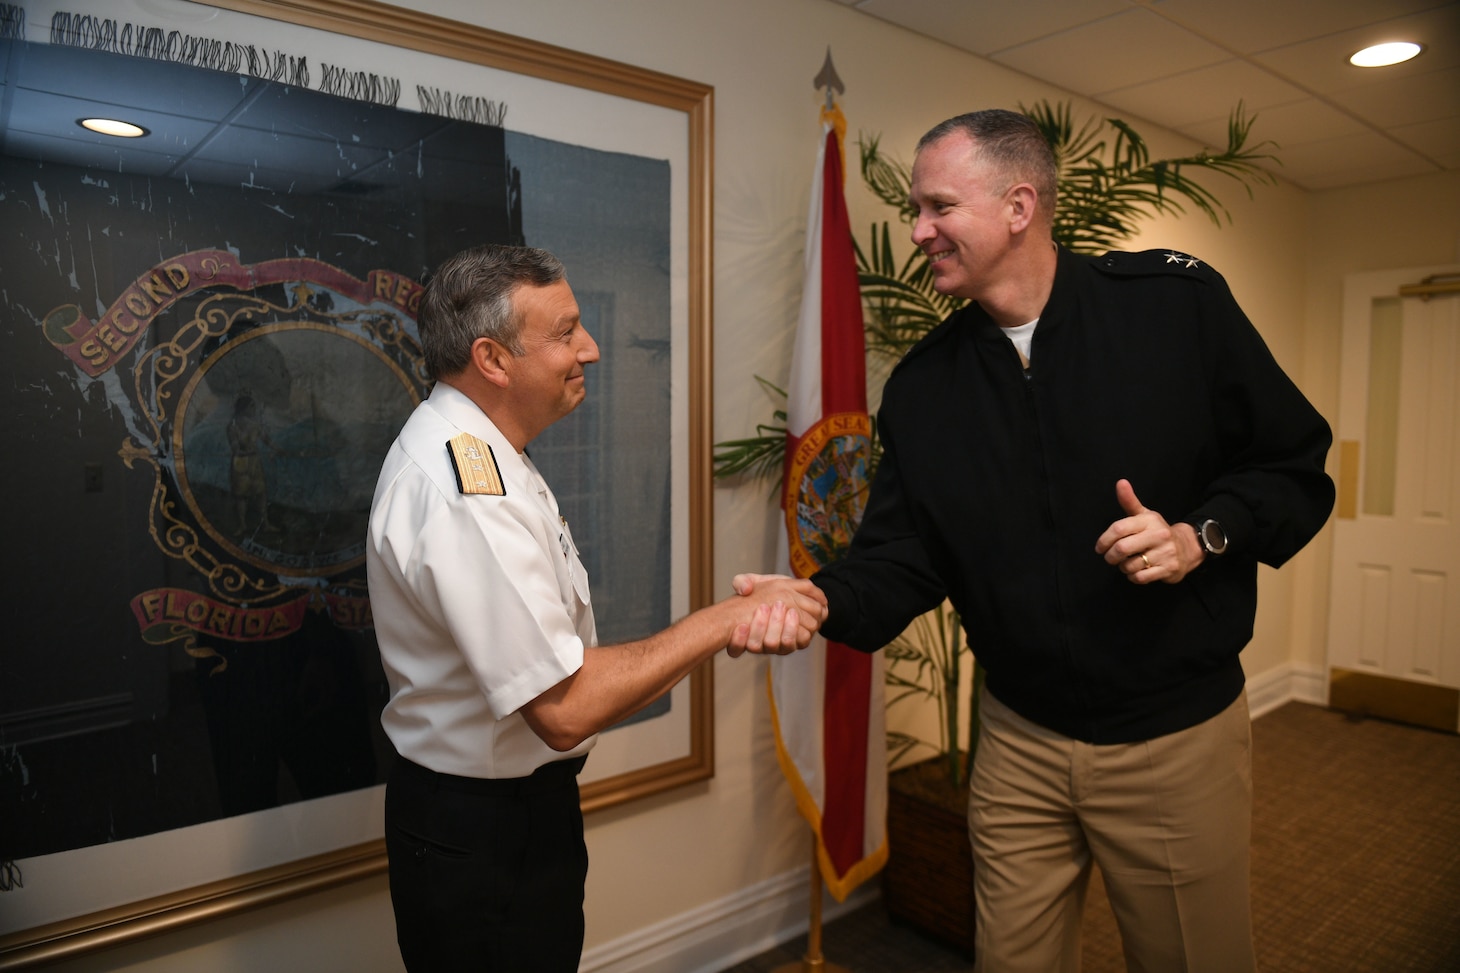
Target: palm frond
<point x="899" y="745"/>
<point x="760" y="456"/>
<point x="1107" y="187"/>
<point x="888" y="178"/>
<point x="755" y="457"/>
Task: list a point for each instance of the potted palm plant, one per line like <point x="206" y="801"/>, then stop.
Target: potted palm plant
<point x="1107" y="183"/>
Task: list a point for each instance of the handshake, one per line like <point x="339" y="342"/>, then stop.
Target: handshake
<point x="784" y="613"/>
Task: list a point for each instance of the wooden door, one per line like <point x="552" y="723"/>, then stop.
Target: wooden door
<point x="1394" y="610"/>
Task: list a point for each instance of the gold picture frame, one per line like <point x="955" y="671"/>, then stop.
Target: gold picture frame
<point x="689" y="107"/>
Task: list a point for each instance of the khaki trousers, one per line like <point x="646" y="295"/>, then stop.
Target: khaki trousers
<point x="1168" y="820"/>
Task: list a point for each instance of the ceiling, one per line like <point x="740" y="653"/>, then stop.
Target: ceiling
<point x="223" y="127"/>
<point x="1184" y="64"/>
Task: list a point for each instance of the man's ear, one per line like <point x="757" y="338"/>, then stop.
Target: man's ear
<point x="492" y="361"/>
<point x="1023" y="201"/>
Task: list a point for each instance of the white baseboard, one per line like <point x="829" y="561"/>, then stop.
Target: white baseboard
<point x="1286" y="683"/>
<point x="725" y="932"/>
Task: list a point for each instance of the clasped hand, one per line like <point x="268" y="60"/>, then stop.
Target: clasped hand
<point x="784" y="614"/>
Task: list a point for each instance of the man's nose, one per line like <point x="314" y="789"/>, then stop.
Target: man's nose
<point x="922" y="231"/>
<point x="589" y="353"/>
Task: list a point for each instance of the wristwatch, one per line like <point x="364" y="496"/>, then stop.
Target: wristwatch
<point x="1210" y="535"/>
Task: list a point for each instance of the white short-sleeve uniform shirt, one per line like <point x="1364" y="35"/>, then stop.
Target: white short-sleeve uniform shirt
<point x="480" y="602"/>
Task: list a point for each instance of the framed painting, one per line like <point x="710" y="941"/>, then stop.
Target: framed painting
<point x="210" y="339"/>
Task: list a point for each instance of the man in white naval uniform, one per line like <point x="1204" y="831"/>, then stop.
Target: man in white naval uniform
<point x="498" y="687"/>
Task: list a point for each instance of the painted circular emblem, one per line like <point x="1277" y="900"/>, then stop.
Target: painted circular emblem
<point x="278" y="439"/>
<point x="828" y="477"/>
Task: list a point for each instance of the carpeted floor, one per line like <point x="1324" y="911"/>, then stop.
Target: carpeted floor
<point x="1355" y="861"/>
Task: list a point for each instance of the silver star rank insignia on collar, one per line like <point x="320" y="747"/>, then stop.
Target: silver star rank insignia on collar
<point x="1172" y="257"/>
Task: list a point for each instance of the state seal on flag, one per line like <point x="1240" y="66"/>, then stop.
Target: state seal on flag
<point x="827" y="483"/>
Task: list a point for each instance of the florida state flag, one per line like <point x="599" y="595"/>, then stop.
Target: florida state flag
<point x="827" y="701"/>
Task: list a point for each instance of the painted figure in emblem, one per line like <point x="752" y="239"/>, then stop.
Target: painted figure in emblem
<point x="246" y="481"/>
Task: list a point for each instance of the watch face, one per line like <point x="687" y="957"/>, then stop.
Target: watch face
<point x="1213" y="538"/>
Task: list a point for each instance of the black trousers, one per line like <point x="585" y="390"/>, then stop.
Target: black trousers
<point x="486" y="875"/>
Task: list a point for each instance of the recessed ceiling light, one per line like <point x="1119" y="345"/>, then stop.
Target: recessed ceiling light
<point x="1382" y="55"/>
<point x="110" y="126"/>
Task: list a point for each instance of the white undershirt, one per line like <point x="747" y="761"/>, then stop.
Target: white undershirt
<point x="1023" y="338"/>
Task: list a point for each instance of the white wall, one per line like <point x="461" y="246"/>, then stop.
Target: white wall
<point x="693" y="851"/>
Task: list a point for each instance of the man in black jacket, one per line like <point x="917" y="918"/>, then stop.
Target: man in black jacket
<point x="1089" y="459"/>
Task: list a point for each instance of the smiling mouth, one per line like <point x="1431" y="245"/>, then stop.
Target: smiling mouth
<point x="940" y="255"/>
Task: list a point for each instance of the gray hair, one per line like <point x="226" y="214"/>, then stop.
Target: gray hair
<point x="1011" y="146"/>
<point x="470" y="297"/>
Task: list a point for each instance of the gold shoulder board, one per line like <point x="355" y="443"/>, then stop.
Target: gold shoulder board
<point x="476" y="468"/>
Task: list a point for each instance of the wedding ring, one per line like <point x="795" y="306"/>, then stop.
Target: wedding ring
<point x="1145" y="560"/>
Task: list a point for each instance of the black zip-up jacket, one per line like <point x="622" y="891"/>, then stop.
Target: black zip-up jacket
<point x="995" y="484"/>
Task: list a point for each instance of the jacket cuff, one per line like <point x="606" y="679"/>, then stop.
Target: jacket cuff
<point x="1234" y="516"/>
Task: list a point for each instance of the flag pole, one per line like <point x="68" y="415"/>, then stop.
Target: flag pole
<point x="836" y="298"/>
<point x="813" y="961"/>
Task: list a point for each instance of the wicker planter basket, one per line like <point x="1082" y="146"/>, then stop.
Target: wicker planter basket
<point x="928" y="880"/>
